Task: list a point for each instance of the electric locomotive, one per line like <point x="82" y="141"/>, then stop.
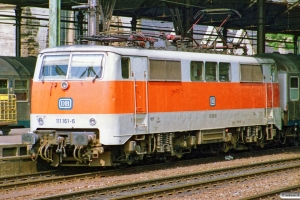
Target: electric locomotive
<point x="109" y="106"/>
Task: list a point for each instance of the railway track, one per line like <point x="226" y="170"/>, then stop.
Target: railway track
<point x="20" y="180"/>
<point x="186" y="183"/>
<point x="12" y="187"/>
<point x="294" y="191"/>
<point x="16" y="182"/>
<point x="7" y="182"/>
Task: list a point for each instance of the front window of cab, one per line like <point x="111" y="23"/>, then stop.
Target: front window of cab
<point x="75" y="66"/>
<point x="86" y="66"/>
<point x="54" y="67"/>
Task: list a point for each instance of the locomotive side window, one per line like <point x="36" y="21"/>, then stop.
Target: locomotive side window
<point x="125" y="63"/>
<point x="54" y="67"/>
<point x="21" y="90"/>
<point x="196" y="70"/>
<point x="165" y="70"/>
<point x="294" y="88"/>
<point x="86" y="66"/>
<point x="210" y="71"/>
<point x="157" y="70"/>
<point x="173" y="70"/>
<point x="3" y="87"/>
<point x="251" y="73"/>
<point x="224" y="71"/>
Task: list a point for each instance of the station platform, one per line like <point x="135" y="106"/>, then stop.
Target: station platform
<point x="14" y="156"/>
<point x="14" y="137"/>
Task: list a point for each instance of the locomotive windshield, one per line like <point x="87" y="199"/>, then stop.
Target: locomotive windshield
<point x="55" y="67"/>
<point x="76" y="66"/>
<point x="84" y="66"/>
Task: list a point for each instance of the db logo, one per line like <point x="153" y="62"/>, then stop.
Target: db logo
<point x="65" y="103"/>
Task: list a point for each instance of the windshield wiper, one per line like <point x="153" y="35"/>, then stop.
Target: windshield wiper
<point x="100" y="69"/>
<point x="96" y="74"/>
<point x="59" y="71"/>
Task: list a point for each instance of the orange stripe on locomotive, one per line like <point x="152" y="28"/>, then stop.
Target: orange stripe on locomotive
<point x="117" y="97"/>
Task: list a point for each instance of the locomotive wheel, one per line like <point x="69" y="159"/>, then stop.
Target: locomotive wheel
<point x="234" y="140"/>
<point x="55" y="161"/>
<point x="130" y="159"/>
<point x="121" y="166"/>
<point x="5" y="130"/>
<point x="261" y="142"/>
<point x="282" y="137"/>
<point x="226" y="147"/>
<point x="168" y="159"/>
<point x="296" y="142"/>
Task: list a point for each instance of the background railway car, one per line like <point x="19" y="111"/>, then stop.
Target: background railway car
<point x="288" y="66"/>
<point x="108" y="106"/>
<point x="15" y="77"/>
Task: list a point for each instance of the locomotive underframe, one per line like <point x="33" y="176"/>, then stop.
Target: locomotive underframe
<point x="81" y="148"/>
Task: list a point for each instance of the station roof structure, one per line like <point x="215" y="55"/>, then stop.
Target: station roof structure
<point x="282" y="16"/>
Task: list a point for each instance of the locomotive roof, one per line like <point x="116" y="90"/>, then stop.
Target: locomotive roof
<point x="19" y="66"/>
<point x="153" y="53"/>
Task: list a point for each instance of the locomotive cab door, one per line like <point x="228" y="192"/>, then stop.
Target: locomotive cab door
<point x="139" y="66"/>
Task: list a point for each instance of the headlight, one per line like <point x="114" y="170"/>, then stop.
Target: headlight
<point x="92" y="122"/>
<point x="64" y="85"/>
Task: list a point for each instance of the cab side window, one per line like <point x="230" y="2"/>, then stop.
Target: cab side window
<point x="224" y="72"/>
<point x="196" y="69"/>
<point x="125" y="67"/>
<point x="210" y="71"/>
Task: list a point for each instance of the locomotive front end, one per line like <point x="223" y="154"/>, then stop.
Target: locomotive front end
<point x="66" y="106"/>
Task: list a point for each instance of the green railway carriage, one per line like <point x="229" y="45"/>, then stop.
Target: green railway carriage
<point x="15" y="77"/>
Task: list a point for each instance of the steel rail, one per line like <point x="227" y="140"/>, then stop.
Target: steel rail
<point x="27" y="176"/>
<point x="16" y="185"/>
<point x="174" y="190"/>
<point x="39" y="178"/>
<point x="161" y="182"/>
<point x="294" y="190"/>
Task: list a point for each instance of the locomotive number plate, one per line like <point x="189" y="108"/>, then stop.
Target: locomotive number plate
<point x="65" y="121"/>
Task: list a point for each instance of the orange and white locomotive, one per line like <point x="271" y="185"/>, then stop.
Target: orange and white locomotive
<point x="107" y="106"/>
